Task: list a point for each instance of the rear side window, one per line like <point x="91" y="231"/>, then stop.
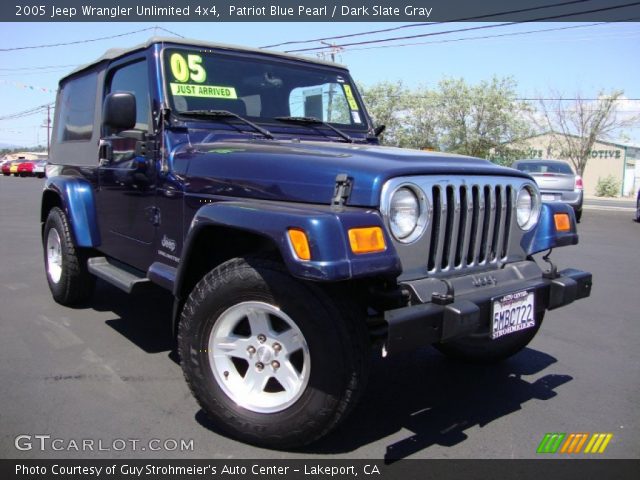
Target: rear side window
<point x="77" y="109"/>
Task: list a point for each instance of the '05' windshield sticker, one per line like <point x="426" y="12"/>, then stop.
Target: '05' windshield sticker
<point x="204" y="91"/>
<point x="353" y="105"/>
<point x="185" y="69"/>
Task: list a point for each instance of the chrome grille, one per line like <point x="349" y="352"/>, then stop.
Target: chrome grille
<point x="470" y="225"/>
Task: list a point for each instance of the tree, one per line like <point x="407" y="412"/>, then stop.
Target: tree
<point x="387" y="104"/>
<point x="419" y="121"/>
<point x="578" y="123"/>
<point x="481" y="120"/>
<point x="485" y="120"/>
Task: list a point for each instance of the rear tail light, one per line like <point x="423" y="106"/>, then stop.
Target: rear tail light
<point x="578" y="183"/>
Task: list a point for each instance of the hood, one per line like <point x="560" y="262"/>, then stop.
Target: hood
<point x="306" y="171"/>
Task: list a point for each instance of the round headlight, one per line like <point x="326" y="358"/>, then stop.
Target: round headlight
<point x="527" y="207"/>
<point x="404" y="214"/>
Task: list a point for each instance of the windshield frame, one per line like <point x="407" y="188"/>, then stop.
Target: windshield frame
<point x="363" y="130"/>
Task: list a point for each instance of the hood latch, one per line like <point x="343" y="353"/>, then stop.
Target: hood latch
<point x="341" y="192"/>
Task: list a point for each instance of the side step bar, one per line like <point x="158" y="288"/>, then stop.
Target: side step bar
<point x="115" y="275"/>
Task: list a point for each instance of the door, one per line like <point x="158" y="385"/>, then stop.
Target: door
<point x="127" y="177"/>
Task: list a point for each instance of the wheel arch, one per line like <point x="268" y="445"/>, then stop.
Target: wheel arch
<point x="75" y="197"/>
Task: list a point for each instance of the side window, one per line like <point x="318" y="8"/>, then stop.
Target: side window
<point x="77" y="109"/>
<point x="134" y="78"/>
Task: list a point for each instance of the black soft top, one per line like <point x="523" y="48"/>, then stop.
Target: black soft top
<point x="114" y="53"/>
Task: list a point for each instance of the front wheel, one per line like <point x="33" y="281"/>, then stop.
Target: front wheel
<point x="482" y="349"/>
<point x="638" y="209"/>
<point x="65" y="264"/>
<point x="272" y="361"/>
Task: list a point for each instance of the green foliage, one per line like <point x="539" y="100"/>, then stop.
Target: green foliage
<point x="39" y="148"/>
<point x="475" y="120"/>
<point x="607" y="187"/>
<point x="386" y="103"/>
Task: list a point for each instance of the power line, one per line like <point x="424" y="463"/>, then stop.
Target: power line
<point x="76" y="42"/>
<point x="28" y="112"/>
<point x="530" y="99"/>
<point x="483" y="37"/>
<point x="40" y="67"/>
<point x="23" y="74"/>
<point x="481" y="27"/>
<point x="170" y="32"/>
<point x="422" y="24"/>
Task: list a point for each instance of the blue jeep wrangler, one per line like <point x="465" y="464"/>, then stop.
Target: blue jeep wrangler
<point x="251" y="185"/>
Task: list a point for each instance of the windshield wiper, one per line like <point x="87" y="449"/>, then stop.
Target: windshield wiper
<point x="315" y="121"/>
<point x="227" y="114"/>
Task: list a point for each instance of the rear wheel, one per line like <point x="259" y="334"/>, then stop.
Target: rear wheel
<point x="482" y="349"/>
<point x="638" y="209"/>
<point x="66" y="265"/>
<point x="271" y="360"/>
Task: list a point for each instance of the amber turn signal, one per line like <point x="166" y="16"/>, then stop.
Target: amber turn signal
<point x="300" y="243"/>
<point x="563" y="224"/>
<point x="366" y="240"/>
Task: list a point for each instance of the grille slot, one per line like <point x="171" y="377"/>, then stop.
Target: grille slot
<point x="470" y="225"/>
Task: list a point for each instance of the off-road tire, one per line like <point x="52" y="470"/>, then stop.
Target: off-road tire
<point x="482" y="349"/>
<point x="338" y="347"/>
<point x="75" y="284"/>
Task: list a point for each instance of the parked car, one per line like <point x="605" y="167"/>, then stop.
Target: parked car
<point x="556" y="180"/>
<point x="638" y="206"/>
<point x="26" y="168"/>
<point x="11" y="167"/>
<point x="40" y="168"/>
<point x="5" y="165"/>
<point x="257" y="194"/>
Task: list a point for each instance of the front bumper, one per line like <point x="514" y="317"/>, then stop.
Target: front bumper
<point x="468" y="310"/>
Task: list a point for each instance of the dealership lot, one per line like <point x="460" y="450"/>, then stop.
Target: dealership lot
<point x="105" y="376"/>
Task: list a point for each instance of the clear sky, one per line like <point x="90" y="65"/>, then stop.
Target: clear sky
<point x="587" y="59"/>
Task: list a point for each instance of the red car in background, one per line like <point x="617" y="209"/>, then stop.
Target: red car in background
<point x="11" y="167"/>
<point x="26" y="168"/>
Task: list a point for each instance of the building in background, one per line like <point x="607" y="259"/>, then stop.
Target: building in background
<point x="605" y="158"/>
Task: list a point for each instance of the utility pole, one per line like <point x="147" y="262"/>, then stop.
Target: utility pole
<point x="48" y="129"/>
<point x="47" y="124"/>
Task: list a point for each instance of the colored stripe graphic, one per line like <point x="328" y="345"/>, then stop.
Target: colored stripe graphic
<point x="598" y="442"/>
<point x="574" y="443"/>
<point x="551" y="442"/>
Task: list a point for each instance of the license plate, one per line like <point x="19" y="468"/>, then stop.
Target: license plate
<point x="13" y="169"/>
<point x="511" y="313"/>
<point x="548" y="198"/>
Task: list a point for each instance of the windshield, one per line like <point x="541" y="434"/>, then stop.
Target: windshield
<point x="260" y="89"/>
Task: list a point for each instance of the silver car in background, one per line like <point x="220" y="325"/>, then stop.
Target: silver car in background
<point x="556" y="180"/>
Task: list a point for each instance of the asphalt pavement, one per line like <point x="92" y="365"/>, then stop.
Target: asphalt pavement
<point x="106" y="373"/>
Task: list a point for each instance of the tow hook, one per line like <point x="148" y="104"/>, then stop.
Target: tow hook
<point x="552" y="273"/>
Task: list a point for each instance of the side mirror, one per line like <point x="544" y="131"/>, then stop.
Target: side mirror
<point x="379" y="129"/>
<point x="119" y="111"/>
